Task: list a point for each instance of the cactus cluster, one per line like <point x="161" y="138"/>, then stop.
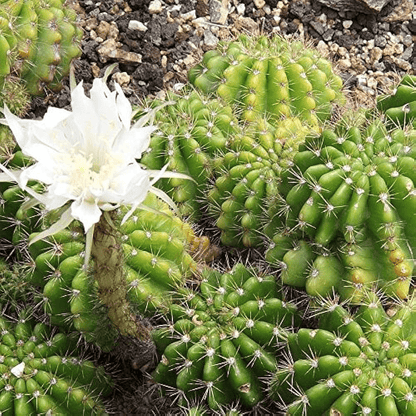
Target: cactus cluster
<point x="41" y="374"/>
<point x="221" y="340"/>
<point x="275" y="77"/>
<point x="354" y="363"/>
<point x="346" y="216"/>
<point x="38" y="41"/>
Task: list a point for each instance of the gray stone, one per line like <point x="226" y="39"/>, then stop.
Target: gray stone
<point x="318" y="26"/>
<point x="327" y="36"/>
<point x="218" y="11"/>
<point x="362" y="6"/>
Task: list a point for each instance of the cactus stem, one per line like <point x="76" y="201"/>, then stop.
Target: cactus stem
<point x="109" y="273"/>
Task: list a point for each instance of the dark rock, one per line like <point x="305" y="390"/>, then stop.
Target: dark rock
<point x="202" y="8"/>
<point x="292" y="27"/>
<point x="89" y="50"/>
<point x="412" y="26"/>
<point x="139" y="4"/>
<point x="299" y="9"/>
<point x="327" y="36"/>
<point x="366" y="34"/>
<point x="380" y="41"/>
<point x="150" y="53"/>
<point x="104" y="16"/>
<point x="272" y="3"/>
<point x="346" y="40"/>
<point x="317" y="26"/>
<point x="361" y="6"/>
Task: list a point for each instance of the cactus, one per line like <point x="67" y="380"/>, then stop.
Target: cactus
<point x="221" y="341"/>
<point x="350" y="190"/>
<point x="354" y="363"/>
<point x="275" y="77"/>
<point x="38" y="41"/>
<point x="41" y="374"/>
<point x="400" y="106"/>
<point x="191" y="131"/>
<point x="248" y="178"/>
<point x="153" y="244"/>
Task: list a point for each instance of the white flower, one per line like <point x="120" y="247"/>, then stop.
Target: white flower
<point x="87" y="157"/>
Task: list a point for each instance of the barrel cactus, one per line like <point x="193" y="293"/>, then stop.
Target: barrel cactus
<point x="156" y="247"/>
<point x="42" y="374"/>
<point x="192" y="129"/>
<point x="274" y="76"/>
<point x="222" y="340"/>
<point x="400" y="106"/>
<point x="354" y="363"/>
<point x="349" y="200"/>
<point x="38" y="41"/>
<point x="247" y="178"/>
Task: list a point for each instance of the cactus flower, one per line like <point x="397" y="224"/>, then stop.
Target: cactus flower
<point x="87" y="157"/>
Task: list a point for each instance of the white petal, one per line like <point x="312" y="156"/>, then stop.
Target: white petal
<point x="40" y="172"/>
<point x="18" y="370"/>
<point x="59" y="225"/>
<point x="87" y="213"/>
<point x="137" y="140"/>
<point x="123" y="107"/>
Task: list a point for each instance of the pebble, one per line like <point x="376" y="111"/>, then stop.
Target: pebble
<point x="259" y="3"/>
<point x="155" y="7"/>
<point x="347" y="24"/>
<point x="136" y="25"/>
<point x="122" y="78"/>
<point x="209" y="39"/>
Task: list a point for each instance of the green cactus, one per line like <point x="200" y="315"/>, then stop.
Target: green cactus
<point x="248" y="178"/>
<point x="350" y="190"/>
<point x="400" y="106"/>
<point x="354" y="363"/>
<point x="221" y="341"/>
<point x="41" y="374"/>
<point x="38" y="41"/>
<point x="152" y="246"/>
<point x="191" y="131"/>
<point x="272" y="76"/>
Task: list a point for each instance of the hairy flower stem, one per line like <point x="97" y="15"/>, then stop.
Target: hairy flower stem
<point x="109" y="273"/>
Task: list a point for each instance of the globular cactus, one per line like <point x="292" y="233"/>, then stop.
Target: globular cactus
<point x="274" y="76"/>
<point x="354" y="363"/>
<point x="222" y="340"/>
<point x="247" y="178"/>
<point x="153" y="244"/>
<point x="192" y="129"/>
<point x="42" y="374"/>
<point x="400" y="106"/>
<point x="349" y="199"/>
<point x="38" y="41"/>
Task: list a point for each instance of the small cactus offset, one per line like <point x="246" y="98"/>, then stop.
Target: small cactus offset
<point x="40" y="373"/>
<point x="248" y="178"/>
<point x="400" y="106"/>
<point x="222" y="341"/>
<point x="274" y="76"/>
<point x="350" y="192"/>
<point x="192" y="129"/>
<point x="38" y="41"/>
<point x="152" y="245"/>
<point x="361" y="363"/>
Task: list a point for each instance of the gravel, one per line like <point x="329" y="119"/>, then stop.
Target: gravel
<point x="155" y="42"/>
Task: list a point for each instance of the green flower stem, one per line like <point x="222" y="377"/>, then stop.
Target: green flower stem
<point x="109" y="273"/>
